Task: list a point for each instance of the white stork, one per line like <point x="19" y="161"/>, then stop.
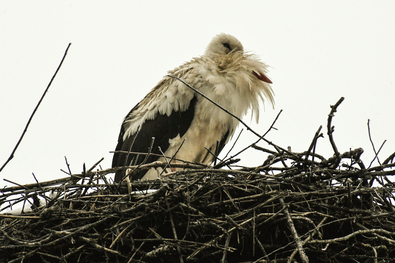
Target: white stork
<point x="183" y="124"/>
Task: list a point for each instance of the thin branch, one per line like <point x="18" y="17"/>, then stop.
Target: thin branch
<point x="35" y="109"/>
<point x="374" y="148"/>
<point x="353" y="234"/>
<point x="253" y="145"/>
<point x="295" y="235"/>
<point x="68" y="166"/>
<point x="313" y="144"/>
<point x="234" y="144"/>
<point x="331" y="129"/>
<point x="174" y="232"/>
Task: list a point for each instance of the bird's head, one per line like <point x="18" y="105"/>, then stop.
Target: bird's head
<point x="223" y="44"/>
<point x="226" y="51"/>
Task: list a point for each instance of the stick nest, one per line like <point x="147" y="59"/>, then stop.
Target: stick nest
<point x="295" y="207"/>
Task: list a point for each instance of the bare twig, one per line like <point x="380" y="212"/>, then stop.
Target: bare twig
<point x="313" y="144"/>
<point x="331" y="129"/>
<point x="359" y="232"/>
<point x="376" y="153"/>
<point x="295" y="235"/>
<point x="34" y="111"/>
<point x="244" y="210"/>
<point x="174" y="233"/>
<point x="223" y="260"/>
<point x="253" y="145"/>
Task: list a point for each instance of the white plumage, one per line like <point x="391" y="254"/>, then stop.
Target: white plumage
<point x="174" y="115"/>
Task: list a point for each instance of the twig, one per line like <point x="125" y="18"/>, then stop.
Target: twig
<point x="95" y="245"/>
<point x="172" y="158"/>
<point x="253" y="145"/>
<point x="174" y="233"/>
<point x="313" y="144"/>
<point x="68" y="167"/>
<point x="223" y="260"/>
<point x="359" y="232"/>
<point x="315" y="230"/>
<point x="296" y="237"/>
<point x="150" y="148"/>
<point x="331" y="129"/>
<point x="389" y="159"/>
<point x="34" y="111"/>
<point x="376" y="153"/>
<point x="96" y="164"/>
<point x="233" y="145"/>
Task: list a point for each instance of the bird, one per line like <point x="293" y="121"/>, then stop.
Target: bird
<point x="173" y="123"/>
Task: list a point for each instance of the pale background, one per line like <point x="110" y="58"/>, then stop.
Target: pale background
<point x="318" y="51"/>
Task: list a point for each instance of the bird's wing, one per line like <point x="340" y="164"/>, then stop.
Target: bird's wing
<point x="166" y="112"/>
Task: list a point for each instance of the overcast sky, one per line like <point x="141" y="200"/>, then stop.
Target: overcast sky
<point x="318" y="51"/>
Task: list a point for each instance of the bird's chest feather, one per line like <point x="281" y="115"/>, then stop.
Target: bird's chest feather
<point x="222" y="89"/>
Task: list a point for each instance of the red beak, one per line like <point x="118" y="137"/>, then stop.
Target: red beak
<point x="262" y="77"/>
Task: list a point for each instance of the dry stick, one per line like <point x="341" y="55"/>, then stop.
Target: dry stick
<point x="125" y="163"/>
<point x="224" y="162"/>
<point x="157" y="155"/>
<point x="172" y="158"/>
<point x="68" y="166"/>
<point x="389" y="159"/>
<point x="135" y="252"/>
<point x="223" y="260"/>
<point x="359" y="232"/>
<point x="254" y="144"/>
<point x="25" y="255"/>
<point x="217" y="238"/>
<point x="174" y="232"/>
<point x="376" y="153"/>
<point x="73" y="251"/>
<point x="310" y="236"/>
<point x="102" y="172"/>
<point x="34" y="111"/>
<point x="97" y="246"/>
<point x="96" y="164"/>
<point x="151" y="147"/>
<point x="253" y="233"/>
<point x="313" y="144"/>
<point x="331" y="128"/>
<point x="234" y="144"/>
<point x="296" y="237"/>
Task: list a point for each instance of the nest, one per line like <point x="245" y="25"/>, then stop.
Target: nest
<point x="295" y="207"/>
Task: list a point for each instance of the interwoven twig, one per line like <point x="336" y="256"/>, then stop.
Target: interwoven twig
<point x="295" y="206"/>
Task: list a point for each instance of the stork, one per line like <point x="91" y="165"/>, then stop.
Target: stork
<point x="173" y="121"/>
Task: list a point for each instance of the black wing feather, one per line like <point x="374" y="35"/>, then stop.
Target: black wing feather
<point x="162" y="128"/>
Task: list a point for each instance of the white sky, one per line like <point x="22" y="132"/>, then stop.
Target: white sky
<point x="318" y="51"/>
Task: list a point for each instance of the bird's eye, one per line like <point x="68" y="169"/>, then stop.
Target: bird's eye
<point x="226" y="45"/>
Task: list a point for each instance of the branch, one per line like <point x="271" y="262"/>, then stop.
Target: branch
<point x="376" y="153"/>
<point x="358" y="232"/>
<point x="332" y="128"/>
<point x="313" y="144"/>
<point x="34" y="111"/>
<point x="295" y="235"/>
